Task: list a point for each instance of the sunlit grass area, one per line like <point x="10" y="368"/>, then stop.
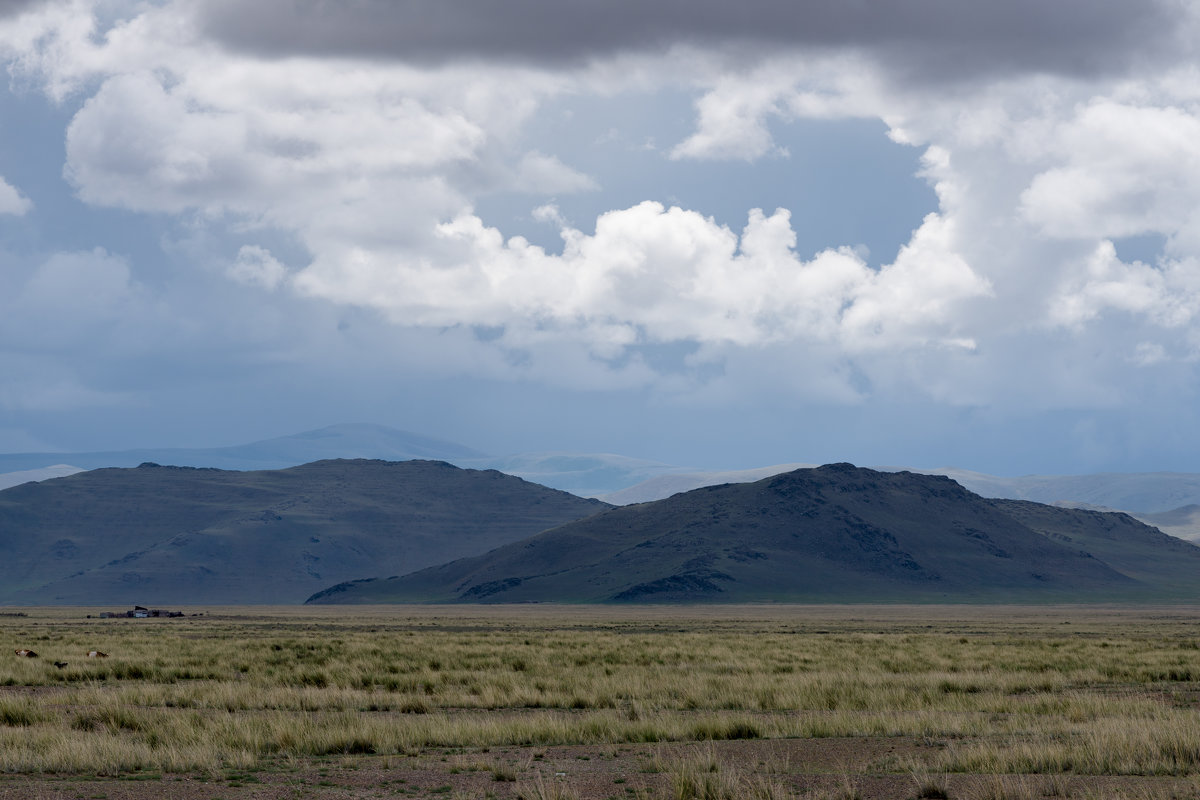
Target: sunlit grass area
<point x="997" y="691"/>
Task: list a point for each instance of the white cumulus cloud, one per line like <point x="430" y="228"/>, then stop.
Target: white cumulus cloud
<point x="12" y="201"/>
<point x="651" y="274"/>
<point x="1121" y="170"/>
<point x="1167" y="295"/>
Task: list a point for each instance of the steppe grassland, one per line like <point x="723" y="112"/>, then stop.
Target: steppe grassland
<point x="1076" y="690"/>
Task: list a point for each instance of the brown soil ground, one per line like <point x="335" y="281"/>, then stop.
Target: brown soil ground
<point x="820" y="769"/>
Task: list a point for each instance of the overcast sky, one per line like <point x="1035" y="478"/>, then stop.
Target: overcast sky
<point x="927" y="233"/>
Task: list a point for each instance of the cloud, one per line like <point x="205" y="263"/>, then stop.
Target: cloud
<point x="1123" y="169"/>
<point x="255" y="266"/>
<point x="40" y="387"/>
<point x="651" y="274"/>
<point x="734" y="112"/>
<point x="940" y="39"/>
<point x="140" y="145"/>
<point x="539" y="173"/>
<point x="81" y="303"/>
<point x="70" y="297"/>
<point x="373" y="167"/>
<point x="733" y="121"/>
<point x="365" y="141"/>
<point x="9" y="8"/>
<point x="1167" y="296"/>
<point x="12" y="201"/>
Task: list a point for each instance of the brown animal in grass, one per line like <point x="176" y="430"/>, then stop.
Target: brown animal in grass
<point x="26" y="653"/>
<point x="96" y="654"/>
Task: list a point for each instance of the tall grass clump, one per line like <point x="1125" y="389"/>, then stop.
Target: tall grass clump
<point x="19" y="712"/>
<point x="700" y="775"/>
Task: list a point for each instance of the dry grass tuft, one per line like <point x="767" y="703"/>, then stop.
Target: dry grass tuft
<point x="1013" y="696"/>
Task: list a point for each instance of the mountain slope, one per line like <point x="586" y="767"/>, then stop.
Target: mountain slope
<point x="1128" y="491"/>
<point x="663" y="486"/>
<point x="1134" y="492"/>
<point x="187" y="535"/>
<point x="1138" y="550"/>
<point x="837" y="533"/>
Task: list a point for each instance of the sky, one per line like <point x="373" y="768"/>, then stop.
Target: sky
<point x="723" y="235"/>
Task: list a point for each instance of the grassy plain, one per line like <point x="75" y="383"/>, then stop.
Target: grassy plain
<point x="587" y="702"/>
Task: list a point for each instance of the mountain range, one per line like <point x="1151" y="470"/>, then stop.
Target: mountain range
<point x="187" y="535"/>
<point x="1132" y="493"/>
<point x="353" y="440"/>
<point x="584" y="474"/>
<point x="332" y="529"/>
<point x="836" y="533"/>
<point x="613" y="478"/>
<point x="1138" y="492"/>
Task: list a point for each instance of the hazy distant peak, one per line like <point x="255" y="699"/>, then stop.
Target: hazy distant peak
<point x="345" y="436"/>
<point x="347" y="440"/>
<point x="8" y="479"/>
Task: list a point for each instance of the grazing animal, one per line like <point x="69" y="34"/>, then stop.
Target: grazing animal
<point x="26" y="653"/>
<point x="96" y="654"/>
<point x="60" y="664"/>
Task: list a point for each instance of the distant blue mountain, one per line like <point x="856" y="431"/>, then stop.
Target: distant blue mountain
<point x="336" y="441"/>
<point x="613" y="478"/>
<point x="584" y="474"/>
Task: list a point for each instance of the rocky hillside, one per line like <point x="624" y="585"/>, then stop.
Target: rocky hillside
<point x="836" y="533"/>
<point x="172" y="535"/>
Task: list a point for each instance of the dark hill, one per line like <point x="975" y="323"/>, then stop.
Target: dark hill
<point x="187" y="536"/>
<point x="1138" y="550"/>
<point x="832" y="534"/>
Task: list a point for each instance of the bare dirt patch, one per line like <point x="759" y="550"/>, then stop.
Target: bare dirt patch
<point x="818" y="769"/>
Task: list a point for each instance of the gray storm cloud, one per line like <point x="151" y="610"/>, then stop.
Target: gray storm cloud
<point x="11" y="7"/>
<point x="928" y="38"/>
